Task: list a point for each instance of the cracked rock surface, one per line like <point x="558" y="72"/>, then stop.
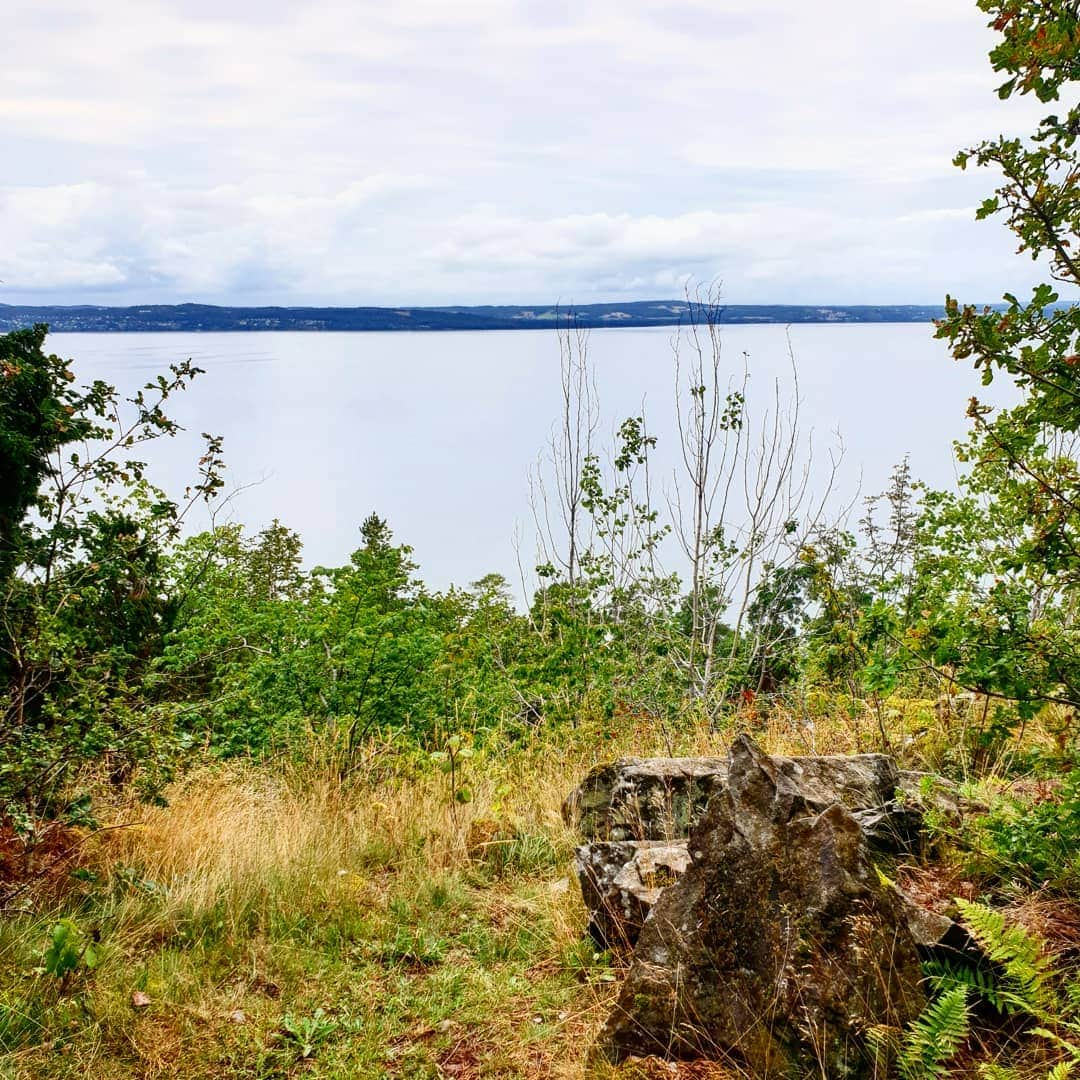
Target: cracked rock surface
<point x="779" y="943"/>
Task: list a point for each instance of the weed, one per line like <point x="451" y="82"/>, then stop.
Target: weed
<point x="308" y="1033"/>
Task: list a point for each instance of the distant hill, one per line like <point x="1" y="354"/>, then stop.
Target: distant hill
<point x="202" y="317"/>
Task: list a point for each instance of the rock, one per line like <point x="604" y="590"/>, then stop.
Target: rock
<point x="937" y="937"/>
<point x="779" y="944"/>
<point x="644" y="798"/>
<point x="895" y="826"/>
<point x="621" y="880"/>
<point x="929" y="792"/>
<point x="632" y="811"/>
<point x="664" y="798"/>
<point x="856" y="781"/>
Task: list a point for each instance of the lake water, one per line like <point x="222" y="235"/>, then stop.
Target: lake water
<point x="437" y="432"/>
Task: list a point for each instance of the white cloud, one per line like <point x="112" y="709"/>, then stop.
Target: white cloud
<point x="349" y="150"/>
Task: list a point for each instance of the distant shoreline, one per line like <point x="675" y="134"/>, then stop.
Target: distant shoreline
<point x="207" y="318"/>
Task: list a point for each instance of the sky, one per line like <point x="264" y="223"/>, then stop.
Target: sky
<point x="502" y="151"/>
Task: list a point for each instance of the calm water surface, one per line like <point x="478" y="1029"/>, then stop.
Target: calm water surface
<point x="437" y="432"/>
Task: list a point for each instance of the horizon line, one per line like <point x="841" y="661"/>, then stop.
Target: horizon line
<point x="552" y="305"/>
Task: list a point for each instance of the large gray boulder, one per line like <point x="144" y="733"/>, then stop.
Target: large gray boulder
<point x="621" y="879"/>
<point x="779" y="945"/>
<point x="636" y="815"/>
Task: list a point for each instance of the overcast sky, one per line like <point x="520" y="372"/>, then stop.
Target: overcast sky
<point x="466" y="151"/>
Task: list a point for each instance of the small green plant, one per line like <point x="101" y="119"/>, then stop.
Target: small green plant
<point x="70" y="950"/>
<point x="587" y="963"/>
<point x="308" y="1033"/>
<point x="1020" y="979"/>
<point x="451" y="760"/>
<point x="982" y="983"/>
<point x="416" y="947"/>
<point x="1025" y="980"/>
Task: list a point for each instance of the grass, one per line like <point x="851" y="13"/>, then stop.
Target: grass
<point x="285" y="924"/>
<point x="276" y="923"/>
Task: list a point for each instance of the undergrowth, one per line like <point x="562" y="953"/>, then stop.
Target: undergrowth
<point x="271" y="922"/>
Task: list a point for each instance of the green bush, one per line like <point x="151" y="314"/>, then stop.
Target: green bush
<point x="1034" y="843"/>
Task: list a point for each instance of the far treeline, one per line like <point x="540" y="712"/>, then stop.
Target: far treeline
<point x="150" y="318"/>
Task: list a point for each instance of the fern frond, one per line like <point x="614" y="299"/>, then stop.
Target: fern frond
<point x="942" y="975"/>
<point x="884" y="1043"/>
<point x="1070" y="1048"/>
<point x="991" y="1070"/>
<point x="1021" y="954"/>
<point x="1063" y="1070"/>
<point x="935" y="1036"/>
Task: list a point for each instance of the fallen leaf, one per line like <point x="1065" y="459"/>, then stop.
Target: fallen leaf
<point x="139" y="1000"/>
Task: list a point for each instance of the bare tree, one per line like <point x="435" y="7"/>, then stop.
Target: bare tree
<point x="742" y="505"/>
<point x="741" y="509"/>
<point x="555" y="483"/>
